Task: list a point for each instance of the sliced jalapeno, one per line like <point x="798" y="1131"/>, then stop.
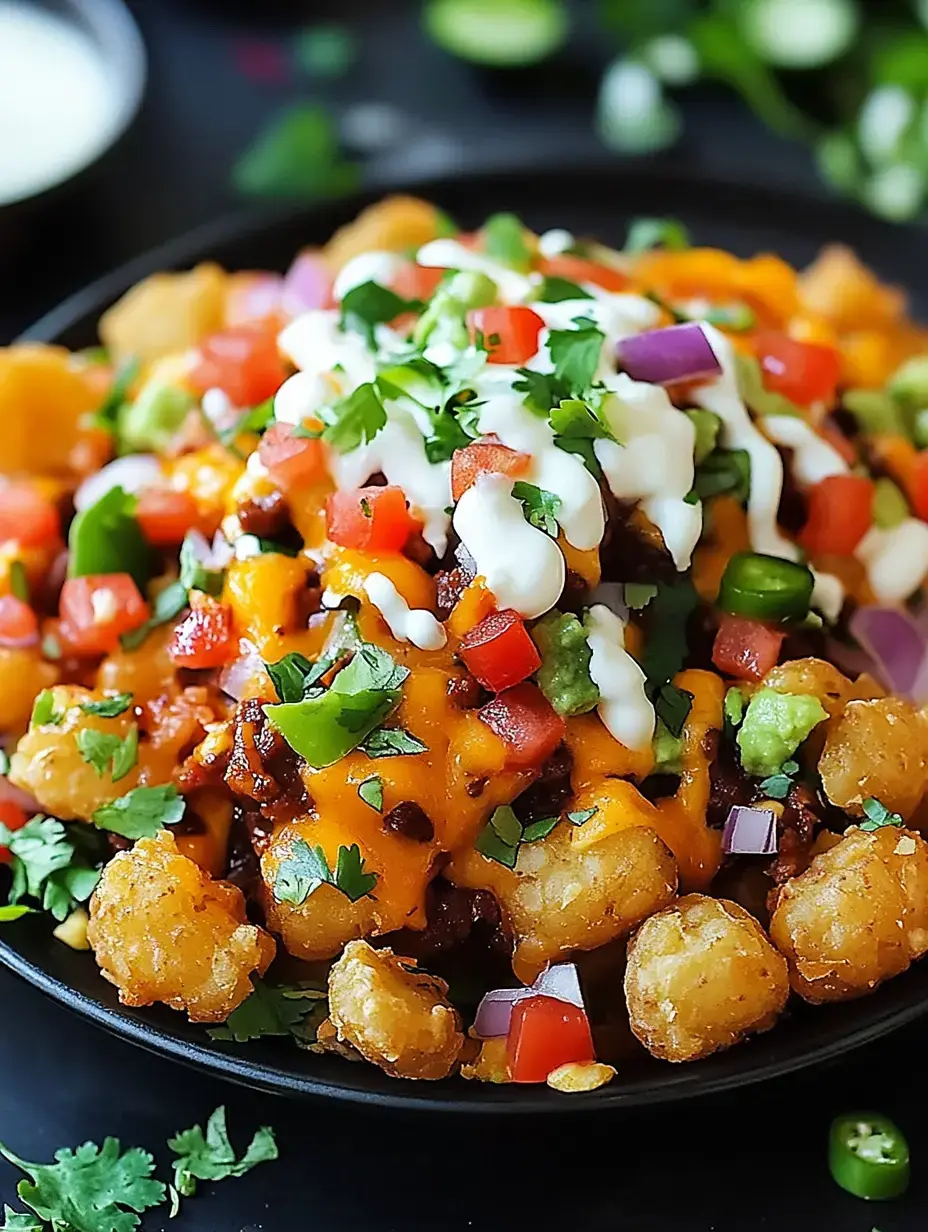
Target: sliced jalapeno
<point x="868" y="1156"/>
<point x="766" y="588"/>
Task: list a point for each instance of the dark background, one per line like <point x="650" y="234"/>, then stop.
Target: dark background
<point x="754" y="1160"/>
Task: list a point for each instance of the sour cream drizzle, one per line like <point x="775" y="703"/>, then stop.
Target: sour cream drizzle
<point x="624" y="708"/>
<point x="415" y="625"/>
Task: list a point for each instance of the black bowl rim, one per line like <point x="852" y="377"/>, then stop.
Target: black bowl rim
<point x="881" y="1013"/>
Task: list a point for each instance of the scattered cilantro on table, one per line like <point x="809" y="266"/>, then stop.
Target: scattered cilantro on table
<point x="210" y="1156"/>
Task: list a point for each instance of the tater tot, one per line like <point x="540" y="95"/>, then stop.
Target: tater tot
<point x="163" y="930"/>
<point x="815" y="678"/>
<point x="857" y="916"/>
<point x="563" y="897"/>
<point x="701" y="976"/>
<point x="876" y="748"/>
<point x="396" y="1016"/>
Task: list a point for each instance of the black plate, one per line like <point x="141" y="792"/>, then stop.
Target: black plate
<point x="595" y="202"/>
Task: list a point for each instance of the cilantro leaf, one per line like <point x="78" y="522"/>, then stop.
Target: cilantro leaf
<point x="108" y="753"/>
<point x="391" y="742"/>
<point x="556" y="290"/>
<point x="52" y="863"/>
<point x="666" y="644"/>
<point x="16" y="1221"/>
<point x="672" y="706"/>
<point x="502" y="836"/>
<point x="575" y="354"/>
<point x="43" y="710"/>
<point x="168" y="604"/>
<point x="106" y="538"/>
<point x="290" y="675"/>
<point x="538" y="830"/>
<point x="575" y="419"/>
<point x="91" y="1189"/>
<point x="371" y="792"/>
<point x="142" y="812"/>
<point x="724" y="470"/>
<point x="273" y="1009"/>
<point x="369" y="305"/>
<point x="581" y="816"/>
<point x="504" y="241"/>
<point x="447" y="435"/>
<point x="306" y="868"/>
<point x="878" y="815"/>
<point x="19" y="581"/>
<point x="107" y="413"/>
<point x="370" y="668"/>
<point x="256" y="419"/>
<point x="777" y="786"/>
<point x="109" y="707"/>
<point x="194" y="575"/>
<point x="539" y="506"/>
<point x="210" y="1157"/>
<point x="352" y="421"/>
<point x="647" y="233"/>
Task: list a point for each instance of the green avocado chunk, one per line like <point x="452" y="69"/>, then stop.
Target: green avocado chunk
<point x="774" y="726"/>
<point x="564" y="676"/>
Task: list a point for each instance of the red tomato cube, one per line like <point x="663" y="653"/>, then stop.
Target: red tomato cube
<point x="545" y="1033"/>
<point x="243" y="362"/>
<point x="499" y="651"/>
<point x="372" y="519"/>
<point x="205" y="637"/>
<point x="96" y="609"/>
<point x="523" y="719"/>
<point x="487" y="457"/>
<point x="26" y="516"/>
<point x="746" y="648"/>
<point x="293" y="461"/>
<point x="803" y="372"/>
<point x="510" y="334"/>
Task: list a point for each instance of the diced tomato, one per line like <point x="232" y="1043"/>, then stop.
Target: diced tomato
<point x="545" y="1033"/>
<point x="918" y="485"/>
<point x="165" y="515"/>
<point x="804" y="372"/>
<point x="97" y="608"/>
<point x="243" y="362"/>
<point x="579" y="270"/>
<point x="416" y="281"/>
<point x="499" y="651"/>
<point x="26" y="516"/>
<point x="18" y="623"/>
<point x="525" y="722"/>
<point x="510" y="334"/>
<point x="840" y="514"/>
<point x="746" y="648"/>
<point x="14" y="818"/>
<point x="205" y="637"/>
<point x="486" y="457"/>
<point x="293" y="461"/>
<point x="372" y="519"/>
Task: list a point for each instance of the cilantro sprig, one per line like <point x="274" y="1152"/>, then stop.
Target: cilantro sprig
<point x="293" y="1010"/>
<point x="369" y="305"/>
<point x="109" y="753"/>
<point x="142" y="812"/>
<point x="53" y="864"/>
<point x="503" y="835"/>
<point x="108" y="707"/>
<point x="209" y="1156"/>
<point x="878" y="815"/>
<point x="539" y="506"/>
<point x="306" y="868"/>
<point x="777" y="786"/>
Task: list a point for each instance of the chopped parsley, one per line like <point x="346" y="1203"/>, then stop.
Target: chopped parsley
<point x="878" y="815"/>
<point x="293" y="1010"/>
<point x="776" y="786"/>
<point x="142" y="812"/>
<point x="371" y="792"/>
<point x="108" y="753"/>
<point x="647" y="233"/>
<point x="392" y="742"/>
<point x="210" y="1157"/>
<point x="369" y="305"/>
<point x="54" y="864"/>
<point x="539" y="506"/>
<point x="504" y="241"/>
<point x="108" y="707"/>
<point x="306" y="868"/>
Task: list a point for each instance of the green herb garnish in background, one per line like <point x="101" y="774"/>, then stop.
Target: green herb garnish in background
<point x="209" y="1156"/>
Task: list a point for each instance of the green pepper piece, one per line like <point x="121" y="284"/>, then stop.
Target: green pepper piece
<point x="766" y="587"/>
<point x="106" y="538"/>
<point x="324" y="729"/>
<point x="868" y="1156"/>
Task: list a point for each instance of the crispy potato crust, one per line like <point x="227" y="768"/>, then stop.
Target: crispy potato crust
<point x="701" y="976"/>
<point x="857" y="916"/>
<point x="396" y="1016"/>
<point x="876" y="748"/>
<point x="163" y="930"/>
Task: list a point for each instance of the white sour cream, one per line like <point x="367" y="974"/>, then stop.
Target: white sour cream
<point x="623" y="706"/>
<point x="521" y="565"/>
<point x="134" y="472"/>
<point x="555" y="242"/>
<point x="317" y="345"/>
<point x="380" y="267"/>
<point x="57" y="106"/>
<point x="814" y="459"/>
<point x="896" y="559"/>
<point x="415" y="625"/>
<point x="514" y="288"/>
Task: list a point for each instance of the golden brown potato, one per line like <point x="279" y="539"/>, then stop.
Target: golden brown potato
<point x="877" y="748"/>
<point x="23" y="673"/>
<point x="393" y="225"/>
<point x="701" y="976"/>
<point x="163" y="930"/>
<point x="396" y="1016"/>
<point x="815" y="678"/>
<point x="44" y="395"/>
<point x="165" y="313"/>
<point x="49" y="764"/>
<point x="563" y="895"/>
<point x="856" y="916"/>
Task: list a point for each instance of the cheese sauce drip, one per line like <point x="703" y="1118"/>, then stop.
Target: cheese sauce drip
<point x="623" y="707"/>
<point x="415" y="625"/>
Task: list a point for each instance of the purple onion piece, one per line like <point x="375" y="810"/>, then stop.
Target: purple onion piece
<point x="307" y="285"/>
<point x="561" y="982"/>
<point x="896" y="644"/>
<point x="664" y="356"/>
<point x="495" y="1011"/>
<point x="750" y="832"/>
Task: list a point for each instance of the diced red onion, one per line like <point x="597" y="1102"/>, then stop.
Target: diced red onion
<point x="245" y="676"/>
<point x="133" y="473"/>
<point x="664" y="356"/>
<point x="897" y="646"/>
<point x="559" y="981"/>
<point x="307" y="285"/>
<point x="612" y="596"/>
<point x="11" y="794"/>
<point x="750" y="832"/>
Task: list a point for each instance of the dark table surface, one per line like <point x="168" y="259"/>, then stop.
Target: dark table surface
<point x="751" y="1160"/>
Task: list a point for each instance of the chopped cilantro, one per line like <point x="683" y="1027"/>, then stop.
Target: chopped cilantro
<point x="273" y="1009"/>
<point x="577" y="420"/>
<point x="91" y="1189"/>
<point x="43" y="710"/>
<point x="306" y="869"/>
<point x="556" y="290"/>
<point x="500" y="838"/>
<point x="647" y="233"/>
<point x="537" y="830"/>
<point x="723" y="470"/>
<point x="108" y="707"/>
<point x="575" y="354"/>
<point x="168" y="604"/>
<point x="665" y="644"/>
<point x="776" y="786"/>
<point x="539" y="506"/>
<point x="142" y="812"/>
<point x="371" y="792"/>
<point x="447" y="435"/>
<point x="639" y="594"/>
<point x="369" y="305"/>
<point x="581" y="816"/>
<point x="352" y="421"/>
<point x="878" y="815"/>
<point x="392" y="742"/>
<point x="52" y="863"/>
<point x="290" y="675"/>
<point x="256" y="419"/>
<point x="672" y="706"/>
<point x="19" y="582"/>
<point x="106" y="538"/>
<point x="107" y="413"/>
<point x="210" y="1157"/>
<point x="504" y="241"/>
<point x="108" y="753"/>
<point x="194" y="575"/>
